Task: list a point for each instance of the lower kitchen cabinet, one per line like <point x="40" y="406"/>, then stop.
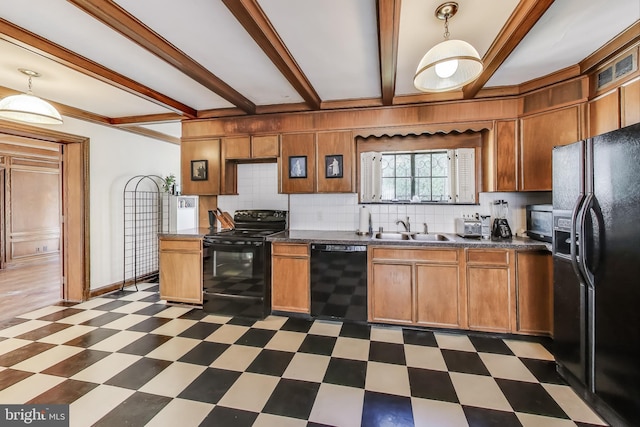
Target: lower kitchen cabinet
<point x="391" y="292"/>
<point x="491" y="289"/>
<point x="415" y="286"/>
<point x="535" y="293"/>
<point x="290" y="272"/>
<point x="180" y="265"/>
<point x="438" y="296"/>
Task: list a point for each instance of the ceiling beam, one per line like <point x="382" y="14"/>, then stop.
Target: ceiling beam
<point x="521" y="21"/>
<point x="251" y="16"/>
<point x="86" y="116"/>
<point x="388" y="29"/>
<point x="65" y="110"/>
<point x="145" y="119"/>
<point x="120" y="20"/>
<point x="34" y="43"/>
<point x="139" y="130"/>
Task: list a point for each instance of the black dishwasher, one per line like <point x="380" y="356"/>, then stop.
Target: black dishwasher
<point x="339" y="282"/>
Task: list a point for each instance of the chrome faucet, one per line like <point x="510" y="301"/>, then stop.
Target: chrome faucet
<point x="426" y="228"/>
<point x="406" y="224"/>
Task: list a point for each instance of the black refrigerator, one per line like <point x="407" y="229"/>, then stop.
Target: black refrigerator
<point x="596" y="255"/>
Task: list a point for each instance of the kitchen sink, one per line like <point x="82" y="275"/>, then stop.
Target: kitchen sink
<point x="430" y="237"/>
<point x="392" y="236"/>
<point x="434" y="237"/>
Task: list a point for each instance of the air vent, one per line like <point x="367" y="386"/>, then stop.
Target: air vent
<point x="617" y="70"/>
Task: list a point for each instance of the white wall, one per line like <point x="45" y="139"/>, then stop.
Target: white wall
<point x="257" y="189"/>
<point x="114" y="157"/>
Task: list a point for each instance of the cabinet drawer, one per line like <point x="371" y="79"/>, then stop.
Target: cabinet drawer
<point x="492" y="257"/>
<point x="294" y="249"/>
<point x="434" y="255"/>
<point x="180" y="245"/>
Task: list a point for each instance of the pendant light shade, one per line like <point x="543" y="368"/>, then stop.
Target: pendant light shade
<point x="449" y="65"/>
<point x="29" y="108"/>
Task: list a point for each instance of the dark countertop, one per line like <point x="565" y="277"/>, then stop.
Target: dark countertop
<point x="189" y="232"/>
<point x="351" y="238"/>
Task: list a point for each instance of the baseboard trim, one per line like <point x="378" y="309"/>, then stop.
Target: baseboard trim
<point x="119" y="285"/>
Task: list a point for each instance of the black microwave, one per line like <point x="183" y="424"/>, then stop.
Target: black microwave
<point x="540" y="222"/>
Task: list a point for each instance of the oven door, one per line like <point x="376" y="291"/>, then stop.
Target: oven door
<point x="235" y="278"/>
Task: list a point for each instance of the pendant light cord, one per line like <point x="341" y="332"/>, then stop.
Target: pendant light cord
<point x="446" y="27"/>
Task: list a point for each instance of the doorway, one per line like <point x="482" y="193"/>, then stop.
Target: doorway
<point x="30" y="230"/>
<point x="73" y="262"/>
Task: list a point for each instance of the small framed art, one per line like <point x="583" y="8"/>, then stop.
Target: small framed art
<point x="333" y="166"/>
<point x="199" y="170"/>
<point x="297" y="166"/>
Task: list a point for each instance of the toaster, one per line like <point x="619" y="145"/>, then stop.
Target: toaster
<point x="468" y="227"/>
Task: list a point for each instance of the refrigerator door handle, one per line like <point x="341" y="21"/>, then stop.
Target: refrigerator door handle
<point x="582" y="247"/>
<point x="592" y="260"/>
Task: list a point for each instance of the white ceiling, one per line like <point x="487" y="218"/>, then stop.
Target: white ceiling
<point x="333" y="42"/>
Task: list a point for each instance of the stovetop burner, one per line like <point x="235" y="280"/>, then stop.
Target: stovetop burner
<point x="252" y="224"/>
<point x="242" y="233"/>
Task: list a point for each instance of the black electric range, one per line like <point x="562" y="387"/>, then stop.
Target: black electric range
<point x="237" y="264"/>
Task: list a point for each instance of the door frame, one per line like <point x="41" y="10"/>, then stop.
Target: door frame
<point x="75" y="204"/>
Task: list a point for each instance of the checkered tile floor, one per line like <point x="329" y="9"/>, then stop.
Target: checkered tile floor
<point x="127" y="358"/>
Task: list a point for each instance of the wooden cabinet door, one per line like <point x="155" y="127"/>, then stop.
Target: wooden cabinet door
<point x="297" y="163"/>
<point x="488" y="298"/>
<point x="630" y="103"/>
<point x="505" y="162"/>
<point x="290" y="271"/>
<point x="265" y="146"/>
<point x="391" y="293"/>
<point x="535" y="293"/>
<point x="180" y="265"/>
<point x="236" y="148"/>
<point x="604" y="113"/>
<point x="437" y="302"/>
<point x="336" y="158"/>
<point x="540" y="133"/>
<point x="209" y="150"/>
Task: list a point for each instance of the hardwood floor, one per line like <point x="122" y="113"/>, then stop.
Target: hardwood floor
<point x="27" y="287"/>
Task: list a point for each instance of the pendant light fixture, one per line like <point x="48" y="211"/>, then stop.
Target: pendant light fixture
<point x="26" y="107"/>
<point x="449" y="65"/>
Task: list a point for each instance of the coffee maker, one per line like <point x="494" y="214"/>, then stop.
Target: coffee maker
<point x="500" y="229"/>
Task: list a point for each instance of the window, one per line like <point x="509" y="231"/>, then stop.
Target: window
<point x="423" y="175"/>
<point x="440" y="176"/>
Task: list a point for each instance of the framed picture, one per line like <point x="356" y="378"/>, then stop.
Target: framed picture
<point x="199" y="170"/>
<point x="297" y="166"/>
<point x="333" y="166"/>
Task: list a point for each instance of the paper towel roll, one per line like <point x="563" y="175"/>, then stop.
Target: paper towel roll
<point x="364" y="220"/>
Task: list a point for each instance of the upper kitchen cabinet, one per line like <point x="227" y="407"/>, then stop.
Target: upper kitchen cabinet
<point x="236" y="148"/>
<point x="335" y="156"/>
<point x="630" y="94"/>
<point x="320" y="162"/>
<point x="265" y="146"/>
<point x="297" y="163"/>
<point x="250" y="147"/>
<point x="500" y="157"/>
<point x="539" y="134"/>
<point x="200" y="166"/>
<point x="604" y="113"/>
<point x="244" y="149"/>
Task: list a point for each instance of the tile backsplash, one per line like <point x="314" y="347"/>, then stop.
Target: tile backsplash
<point x="257" y="189"/>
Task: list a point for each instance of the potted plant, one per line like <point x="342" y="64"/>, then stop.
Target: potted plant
<point x="169" y="185"/>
